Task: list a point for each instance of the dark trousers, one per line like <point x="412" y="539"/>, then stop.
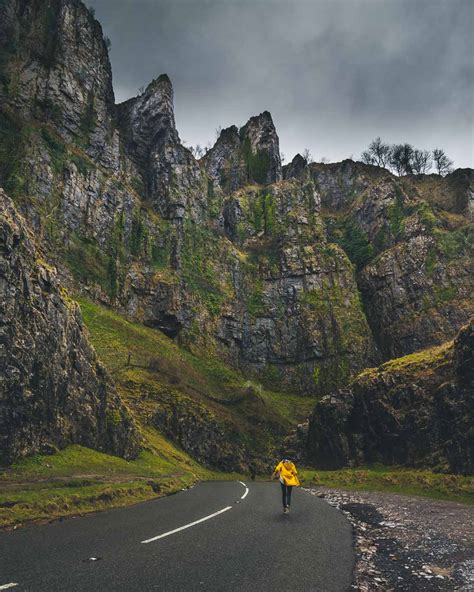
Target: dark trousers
<point x="286" y="494"/>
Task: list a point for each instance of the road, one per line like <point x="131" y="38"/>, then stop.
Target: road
<point x="246" y="544"/>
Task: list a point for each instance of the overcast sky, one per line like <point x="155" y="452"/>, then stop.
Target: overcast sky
<point x="333" y="73"/>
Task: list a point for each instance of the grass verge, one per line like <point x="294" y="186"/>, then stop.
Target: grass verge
<point x="78" y="480"/>
<point x="439" y="486"/>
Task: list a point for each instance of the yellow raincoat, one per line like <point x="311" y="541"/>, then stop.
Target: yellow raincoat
<point x="287" y="473"/>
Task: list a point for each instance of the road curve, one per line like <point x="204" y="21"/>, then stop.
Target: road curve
<point x="232" y="540"/>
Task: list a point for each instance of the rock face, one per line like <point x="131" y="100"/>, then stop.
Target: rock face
<point x="412" y="411"/>
<point x="55" y="67"/>
<point x="299" y="276"/>
<point x="171" y="176"/>
<point x="341" y="182"/>
<point x="301" y="321"/>
<point x="418" y="292"/>
<point x="243" y="157"/>
<point x="453" y="193"/>
<point x="200" y="434"/>
<point x="414" y="260"/>
<point x="53" y="390"/>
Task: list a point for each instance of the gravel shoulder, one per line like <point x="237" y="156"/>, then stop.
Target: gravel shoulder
<point x="407" y="543"/>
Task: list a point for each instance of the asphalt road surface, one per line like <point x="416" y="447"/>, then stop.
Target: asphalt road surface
<point x="236" y="537"/>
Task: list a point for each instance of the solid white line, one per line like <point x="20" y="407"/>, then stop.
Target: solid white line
<point x="6" y="586"/>
<point x="246" y="490"/>
<point x="165" y="534"/>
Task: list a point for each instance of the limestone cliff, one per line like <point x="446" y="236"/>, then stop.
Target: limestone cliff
<point x="54" y="67"/>
<point x="413" y="254"/>
<point x="53" y="390"/>
<point x="299" y="276"/>
<point x="413" y="411"/>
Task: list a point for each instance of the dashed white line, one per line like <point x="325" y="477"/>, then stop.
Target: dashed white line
<point x="165" y="534"/>
<point x="246" y="490"/>
<point x="6" y="586"/>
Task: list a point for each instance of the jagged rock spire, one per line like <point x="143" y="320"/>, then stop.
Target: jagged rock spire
<point x="146" y="119"/>
<point x="171" y="175"/>
<point x="248" y="155"/>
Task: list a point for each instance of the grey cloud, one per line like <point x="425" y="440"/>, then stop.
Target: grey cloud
<point x="333" y="73"/>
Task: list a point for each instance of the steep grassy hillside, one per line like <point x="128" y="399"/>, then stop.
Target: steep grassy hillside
<point x="189" y="398"/>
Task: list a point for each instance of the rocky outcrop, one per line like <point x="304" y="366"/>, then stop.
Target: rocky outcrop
<point x="224" y="163"/>
<point x="298" y="168"/>
<point x="243" y="157"/>
<point x="414" y="259"/>
<point x="412" y="411"/>
<point x="419" y="292"/>
<point x="260" y="142"/>
<point x="172" y="178"/>
<point x="196" y="430"/>
<point x="340" y="183"/>
<point x="53" y="390"/>
<point x="453" y="192"/>
<point x="147" y="118"/>
<point x="54" y="67"/>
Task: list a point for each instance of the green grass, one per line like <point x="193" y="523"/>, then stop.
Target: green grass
<point x="156" y="357"/>
<point x="457" y="488"/>
<point x="163" y="378"/>
<point x="416" y="365"/>
<point x="78" y="480"/>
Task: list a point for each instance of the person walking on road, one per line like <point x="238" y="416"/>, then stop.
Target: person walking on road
<point x="287" y="474"/>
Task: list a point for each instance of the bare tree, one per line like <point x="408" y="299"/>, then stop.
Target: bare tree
<point x="367" y="157"/>
<point x="404" y="159"/>
<point x="396" y="159"/>
<point x="421" y="161"/>
<point x="378" y="153"/>
<point x="407" y="158"/>
<point x="198" y="151"/>
<point x="443" y="164"/>
<point x="401" y="159"/>
<point x="307" y="155"/>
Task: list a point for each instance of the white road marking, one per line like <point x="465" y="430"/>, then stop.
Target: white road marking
<point x="246" y="490"/>
<point x="6" y="586"/>
<point x="165" y="534"/>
